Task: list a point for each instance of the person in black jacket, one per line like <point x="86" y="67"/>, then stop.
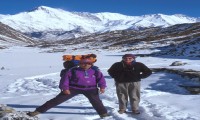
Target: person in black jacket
<point x="127" y="75"/>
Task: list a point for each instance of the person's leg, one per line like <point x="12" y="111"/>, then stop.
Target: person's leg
<point x="134" y="95"/>
<point x="122" y="94"/>
<point x="60" y="98"/>
<point x="93" y="96"/>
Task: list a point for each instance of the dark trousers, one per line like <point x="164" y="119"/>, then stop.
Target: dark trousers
<point x="92" y="95"/>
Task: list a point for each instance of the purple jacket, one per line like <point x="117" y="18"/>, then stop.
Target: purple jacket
<point x="82" y="79"/>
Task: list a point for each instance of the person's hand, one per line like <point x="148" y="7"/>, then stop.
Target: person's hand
<point x="102" y="90"/>
<point x="66" y="92"/>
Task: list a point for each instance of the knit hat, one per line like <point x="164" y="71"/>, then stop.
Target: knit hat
<point x="86" y="61"/>
<point x="128" y="55"/>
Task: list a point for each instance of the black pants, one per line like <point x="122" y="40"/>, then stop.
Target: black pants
<point x="92" y="95"/>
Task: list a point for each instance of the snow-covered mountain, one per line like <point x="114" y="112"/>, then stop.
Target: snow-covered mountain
<point x="52" y="23"/>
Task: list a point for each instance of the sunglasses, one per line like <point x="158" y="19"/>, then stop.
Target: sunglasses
<point x="128" y="58"/>
<point x="86" y="63"/>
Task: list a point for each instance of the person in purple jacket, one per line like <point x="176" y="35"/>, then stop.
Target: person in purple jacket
<point x="79" y="80"/>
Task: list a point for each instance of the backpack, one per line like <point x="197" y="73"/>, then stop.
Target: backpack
<point x="71" y="63"/>
<point x="73" y="60"/>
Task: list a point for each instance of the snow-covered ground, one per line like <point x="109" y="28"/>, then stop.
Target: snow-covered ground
<point x="30" y="77"/>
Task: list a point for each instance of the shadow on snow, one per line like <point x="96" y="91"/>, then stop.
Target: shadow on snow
<point x="169" y="83"/>
<point x="35" y="106"/>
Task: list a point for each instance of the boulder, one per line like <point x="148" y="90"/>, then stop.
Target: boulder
<point x="178" y="63"/>
<point x="8" y="113"/>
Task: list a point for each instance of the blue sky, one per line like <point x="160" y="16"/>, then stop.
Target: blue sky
<point x="127" y="7"/>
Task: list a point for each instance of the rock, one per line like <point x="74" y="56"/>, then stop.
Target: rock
<point x="178" y="63"/>
<point x="2" y="68"/>
<point x="5" y="110"/>
<point x="8" y="113"/>
<point x="192" y="89"/>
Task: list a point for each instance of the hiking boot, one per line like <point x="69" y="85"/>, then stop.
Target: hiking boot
<point x="33" y="113"/>
<point x="121" y="111"/>
<point x="104" y="115"/>
<point x="136" y="112"/>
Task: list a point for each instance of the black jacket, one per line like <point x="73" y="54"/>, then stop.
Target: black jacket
<point x="133" y="73"/>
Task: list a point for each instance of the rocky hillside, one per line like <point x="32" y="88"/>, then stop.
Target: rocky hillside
<point x="9" y="36"/>
<point x="189" y="48"/>
<point x="175" y="39"/>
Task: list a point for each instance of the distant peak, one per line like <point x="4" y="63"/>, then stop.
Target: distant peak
<point x="42" y="8"/>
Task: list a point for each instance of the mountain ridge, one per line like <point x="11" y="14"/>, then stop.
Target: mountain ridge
<point x="47" y="20"/>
